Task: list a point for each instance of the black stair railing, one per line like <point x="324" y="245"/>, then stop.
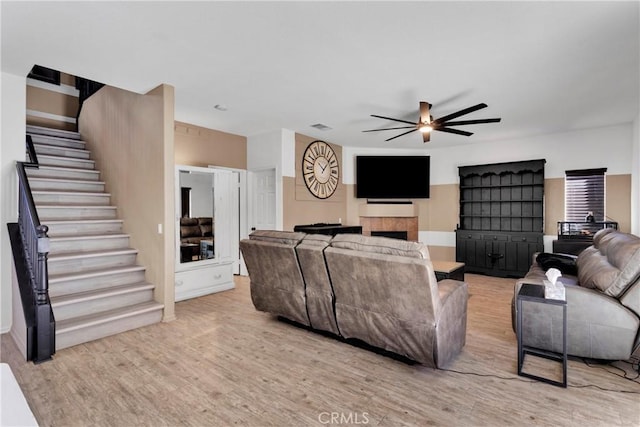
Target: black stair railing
<point x="35" y="243"/>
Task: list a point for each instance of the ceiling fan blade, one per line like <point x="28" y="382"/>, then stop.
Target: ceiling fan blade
<point x="395" y="120"/>
<point x="400" y="127"/>
<point x="456" y="131"/>
<point x="426" y="136"/>
<point x="460" y="113"/>
<point x="402" y="134"/>
<point x="471" y="122"/>
<point x="425" y="114"/>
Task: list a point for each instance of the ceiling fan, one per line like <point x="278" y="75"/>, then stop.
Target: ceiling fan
<point x="426" y="124"/>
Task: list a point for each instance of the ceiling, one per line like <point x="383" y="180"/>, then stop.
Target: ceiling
<point x="543" y="67"/>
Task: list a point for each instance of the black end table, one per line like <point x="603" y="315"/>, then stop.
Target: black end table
<point x="535" y="293"/>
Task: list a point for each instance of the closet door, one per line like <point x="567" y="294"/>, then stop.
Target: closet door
<point x="227" y="214"/>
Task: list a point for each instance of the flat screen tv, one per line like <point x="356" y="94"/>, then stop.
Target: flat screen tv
<point x="392" y="177"/>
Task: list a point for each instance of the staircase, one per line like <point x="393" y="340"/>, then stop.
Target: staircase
<point x="96" y="287"/>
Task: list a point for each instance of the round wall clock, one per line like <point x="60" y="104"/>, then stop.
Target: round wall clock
<point x="320" y="169"/>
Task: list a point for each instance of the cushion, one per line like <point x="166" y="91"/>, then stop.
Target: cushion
<point x="188" y="221"/>
<point x="612" y="264"/>
<point x="319" y="240"/>
<point x="381" y="245"/>
<point x="206" y="230"/>
<point x="563" y="262"/>
<point x="205" y="220"/>
<point x="274" y="236"/>
<point x="190" y="231"/>
<point x="622" y="252"/>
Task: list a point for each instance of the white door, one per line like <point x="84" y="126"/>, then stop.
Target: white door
<point x="263" y="200"/>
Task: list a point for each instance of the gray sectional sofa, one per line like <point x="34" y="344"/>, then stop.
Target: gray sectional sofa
<point x="378" y="290"/>
<point x="603" y="302"/>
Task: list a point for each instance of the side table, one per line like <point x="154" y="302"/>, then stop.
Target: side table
<point x="448" y="270"/>
<point x="535" y="293"/>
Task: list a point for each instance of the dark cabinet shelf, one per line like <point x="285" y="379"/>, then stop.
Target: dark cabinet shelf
<point x="465" y="187"/>
<point x="501" y="217"/>
<point x="501" y="200"/>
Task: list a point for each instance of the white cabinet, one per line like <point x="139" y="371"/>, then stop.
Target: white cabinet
<point x="207" y="230"/>
<point x="203" y="280"/>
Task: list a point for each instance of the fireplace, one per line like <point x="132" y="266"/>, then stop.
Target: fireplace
<point x="402" y="235"/>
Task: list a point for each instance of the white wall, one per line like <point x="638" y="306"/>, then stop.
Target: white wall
<point x="609" y="147"/>
<point x="12" y="149"/>
<point x="273" y="150"/>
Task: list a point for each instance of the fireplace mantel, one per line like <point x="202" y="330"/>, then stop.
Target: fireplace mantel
<point x="389" y="210"/>
<point x="391" y="217"/>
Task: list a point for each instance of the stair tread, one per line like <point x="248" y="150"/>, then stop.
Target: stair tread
<point x="71" y="193"/>
<point x="59" y="206"/>
<point x="54" y="278"/>
<point x="61" y="180"/>
<point x="62" y="168"/>
<point x="72" y="324"/>
<point x="45" y="220"/>
<point x="91" y="254"/>
<point x="58" y="147"/>
<point x="71" y="159"/>
<point x="99" y="293"/>
<point x="86" y="221"/>
<point x="89" y="236"/>
<point x="56" y="137"/>
<point x="35" y="129"/>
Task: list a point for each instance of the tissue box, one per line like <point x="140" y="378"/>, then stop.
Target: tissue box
<point x="552" y="291"/>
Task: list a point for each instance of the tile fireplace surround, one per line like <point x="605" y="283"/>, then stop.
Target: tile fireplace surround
<point x="392" y="217"/>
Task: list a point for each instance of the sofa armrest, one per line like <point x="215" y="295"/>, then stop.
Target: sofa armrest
<point x="451" y="324"/>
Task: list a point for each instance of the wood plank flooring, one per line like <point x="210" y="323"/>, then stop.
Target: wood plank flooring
<point x="223" y="363"/>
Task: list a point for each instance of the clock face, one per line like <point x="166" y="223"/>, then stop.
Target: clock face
<point x="320" y="169"/>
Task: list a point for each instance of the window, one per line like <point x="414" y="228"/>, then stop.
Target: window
<point x="584" y="193"/>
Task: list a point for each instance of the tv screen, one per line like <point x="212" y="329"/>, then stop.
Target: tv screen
<point x="392" y="177"/>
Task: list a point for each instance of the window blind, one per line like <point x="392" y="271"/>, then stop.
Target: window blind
<point x="584" y="193"/>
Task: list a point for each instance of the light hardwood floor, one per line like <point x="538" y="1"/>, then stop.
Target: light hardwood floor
<point x="222" y="363"/>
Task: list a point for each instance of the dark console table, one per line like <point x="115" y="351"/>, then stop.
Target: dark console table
<point x="328" y="229"/>
<point x="535" y="293"/>
<point x="574" y="237"/>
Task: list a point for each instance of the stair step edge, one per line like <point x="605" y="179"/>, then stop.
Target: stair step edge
<point x="57" y="206"/>
<point x="69" y="325"/>
<point x="100" y="293"/>
<point x="82" y="221"/>
<point x="94" y="273"/>
<point x="91" y="254"/>
<point x="69" y="193"/>
<point x="32" y="128"/>
<point x="62" y="168"/>
<point x="62" y="180"/>
<point x="58" y="147"/>
<point x="71" y="159"/>
<point x="90" y="237"/>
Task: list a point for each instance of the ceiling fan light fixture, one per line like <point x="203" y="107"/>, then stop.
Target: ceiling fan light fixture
<point x="425" y="129"/>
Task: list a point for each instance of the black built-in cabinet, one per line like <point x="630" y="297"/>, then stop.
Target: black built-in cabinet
<point x="501" y="217"/>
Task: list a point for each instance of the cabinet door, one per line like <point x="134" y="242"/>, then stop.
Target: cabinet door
<point x="470" y="249"/>
<point x="495" y="254"/>
<point x="520" y="250"/>
<point x="226" y="208"/>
